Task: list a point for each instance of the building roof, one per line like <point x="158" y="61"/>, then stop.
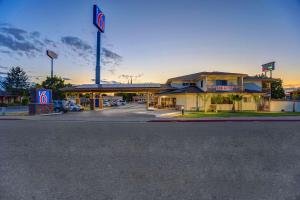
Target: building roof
<point x="186" y="90"/>
<point x="195" y="76"/>
<point x="255" y="78"/>
<point x="116" y="87"/>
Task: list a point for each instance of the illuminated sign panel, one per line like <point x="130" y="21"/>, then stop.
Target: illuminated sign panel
<point x="43" y="96"/>
<point x="268" y="67"/>
<point x="99" y="19"/>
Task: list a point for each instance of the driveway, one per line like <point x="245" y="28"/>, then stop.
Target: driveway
<point x="126" y="113"/>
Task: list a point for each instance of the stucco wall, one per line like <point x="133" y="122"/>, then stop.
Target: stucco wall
<point x="287" y="106"/>
<point x="189" y="101"/>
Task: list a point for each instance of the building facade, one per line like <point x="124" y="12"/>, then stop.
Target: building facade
<point x="208" y="91"/>
<point x="201" y="91"/>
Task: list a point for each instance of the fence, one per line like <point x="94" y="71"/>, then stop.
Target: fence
<point x="285" y="106"/>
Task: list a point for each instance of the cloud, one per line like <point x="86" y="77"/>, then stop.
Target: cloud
<point x="110" y="59"/>
<point x="2" y="67"/>
<point x="66" y="79"/>
<point x="20" y="41"/>
<point x="109" y="82"/>
<point x="84" y="50"/>
<point x="4" y="51"/>
<point x="111" y="55"/>
<point x="3" y="73"/>
<point x="17" y="33"/>
<point x="50" y="42"/>
<point x="76" y="44"/>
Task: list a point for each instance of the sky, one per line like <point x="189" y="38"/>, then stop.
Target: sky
<point x="151" y="40"/>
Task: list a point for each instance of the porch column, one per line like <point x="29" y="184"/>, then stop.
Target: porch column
<point x="159" y="102"/>
<point x="100" y="101"/>
<point x="242" y="83"/>
<point x="148" y="100"/>
<point x="92" y="101"/>
<point x="78" y="98"/>
<point x="197" y="102"/>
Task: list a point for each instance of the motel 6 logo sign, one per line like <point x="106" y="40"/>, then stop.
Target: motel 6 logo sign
<point x="43" y="96"/>
<point x="99" y="19"/>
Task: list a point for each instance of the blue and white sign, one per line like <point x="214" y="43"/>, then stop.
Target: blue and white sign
<point x="43" y="96"/>
<point x="99" y="19"/>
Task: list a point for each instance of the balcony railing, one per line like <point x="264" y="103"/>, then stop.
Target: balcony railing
<point x="224" y="88"/>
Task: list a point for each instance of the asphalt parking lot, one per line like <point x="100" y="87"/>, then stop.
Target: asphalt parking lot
<point x="67" y="160"/>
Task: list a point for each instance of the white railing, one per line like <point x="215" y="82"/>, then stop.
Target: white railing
<point x="224" y="88"/>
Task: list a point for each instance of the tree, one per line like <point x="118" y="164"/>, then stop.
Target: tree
<point x="232" y="98"/>
<point x="204" y="98"/>
<point x="218" y="99"/>
<point x="235" y="98"/>
<point x="277" y="91"/>
<point x="16" y="82"/>
<point x="257" y="100"/>
<point x="55" y="84"/>
<point x="239" y="98"/>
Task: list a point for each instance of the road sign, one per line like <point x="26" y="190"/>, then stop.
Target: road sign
<point x="43" y="96"/>
<point x="99" y="19"/>
<point x="268" y="67"/>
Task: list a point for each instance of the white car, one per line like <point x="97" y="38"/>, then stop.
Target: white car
<point x="75" y="107"/>
<point x="106" y="104"/>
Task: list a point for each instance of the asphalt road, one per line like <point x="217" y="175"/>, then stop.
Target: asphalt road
<point x="72" y="160"/>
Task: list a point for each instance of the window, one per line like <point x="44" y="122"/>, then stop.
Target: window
<point x="247" y="99"/>
<point x="201" y="83"/>
<point x="221" y="82"/>
<point x="189" y="84"/>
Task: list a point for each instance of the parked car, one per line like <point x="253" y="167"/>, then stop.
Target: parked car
<point x="60" y="106"/>
<point x="113" y="103"/>
<point x="123" y="102"/>
<point x="106" y="104"/>
<point x="75" y="107"/>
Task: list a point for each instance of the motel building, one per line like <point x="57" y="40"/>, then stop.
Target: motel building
<point x="203" y="91"/>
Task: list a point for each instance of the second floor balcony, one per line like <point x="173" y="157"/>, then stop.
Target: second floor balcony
<point x="224" y="88"/>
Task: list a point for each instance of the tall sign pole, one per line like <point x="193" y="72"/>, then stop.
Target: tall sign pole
<point x="52" y="55"/>
<point x="99" y="22"/>
<point x="97" y="78"/>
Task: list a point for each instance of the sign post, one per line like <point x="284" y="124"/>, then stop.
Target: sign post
<point x="52" y="55"/>
<point x="99" y="22"/>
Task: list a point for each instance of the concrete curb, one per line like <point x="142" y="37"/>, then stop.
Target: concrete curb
<point x="225" y="120"/>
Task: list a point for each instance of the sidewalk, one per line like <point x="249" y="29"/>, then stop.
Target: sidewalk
<point x="231" y="119"/>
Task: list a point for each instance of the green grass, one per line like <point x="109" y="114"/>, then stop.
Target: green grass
<point x="14" y="114"/>
<point x="238" y="114"/>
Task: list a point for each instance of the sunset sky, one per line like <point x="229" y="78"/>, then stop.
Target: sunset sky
<point x="151" y="40"/>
